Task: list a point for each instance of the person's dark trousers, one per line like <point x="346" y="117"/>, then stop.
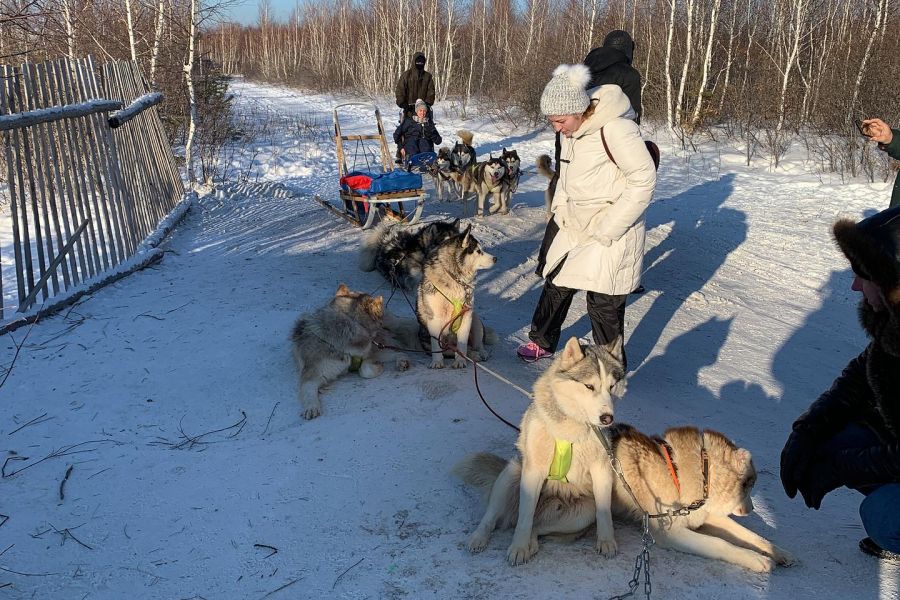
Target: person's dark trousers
<point x="606" y="312"/>
<point x="878" y="511"/>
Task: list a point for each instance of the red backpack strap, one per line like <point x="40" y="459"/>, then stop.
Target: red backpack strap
<point x="606" y="147"/>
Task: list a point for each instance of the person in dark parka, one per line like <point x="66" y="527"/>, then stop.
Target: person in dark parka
<point x="417" y="133"/>
<point x="850" y="436"/>
<point x="415" y="83"/>
<point x="889" y="141"/>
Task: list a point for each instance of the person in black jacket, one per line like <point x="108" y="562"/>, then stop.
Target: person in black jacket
<point x="417" y="133"/>
<point x="850" y="436"/>
<point x="416" y="83"/>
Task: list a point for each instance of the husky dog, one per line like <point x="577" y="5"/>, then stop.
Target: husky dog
<point x="562" y="458"/>
<point x="398" y="252"/>
<point x="336" y="339"/>
<point x="545" y="167"/>
<point x="462" y="158"/>
<point x="513" y="165"/>
<point x="723" y="491"/>
<point x="440" y="171"/>
<point x="446" y="299"/>
<point x="485" y="178"/>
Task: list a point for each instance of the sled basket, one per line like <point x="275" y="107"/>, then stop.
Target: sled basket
<point x="369" y="184"/>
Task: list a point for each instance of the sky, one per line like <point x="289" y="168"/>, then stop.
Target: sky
<point x="246" y="12"/>
<point x="152" y="438"/>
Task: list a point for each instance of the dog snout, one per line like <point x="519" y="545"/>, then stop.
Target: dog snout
<point x="606" y="419"/>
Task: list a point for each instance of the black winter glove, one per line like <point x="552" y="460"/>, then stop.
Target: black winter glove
<point x="796" y="456"/>
<point x="821" y="478"/>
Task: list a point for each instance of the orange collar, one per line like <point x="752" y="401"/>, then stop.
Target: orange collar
<point x="665" y="451"/>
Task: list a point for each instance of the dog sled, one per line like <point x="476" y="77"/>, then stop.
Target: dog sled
<point x="370" y="186"/>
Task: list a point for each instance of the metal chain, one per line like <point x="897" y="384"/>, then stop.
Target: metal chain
<point x="642" y="560"/>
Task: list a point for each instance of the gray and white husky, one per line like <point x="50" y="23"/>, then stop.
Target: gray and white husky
<point x="488" y="177"/>
<point x="398" y="251"/>
<point x="561" y="456"/>
<point x="339" y="338"/>
<point x="445" y="305"/>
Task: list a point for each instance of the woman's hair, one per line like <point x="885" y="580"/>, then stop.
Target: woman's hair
<point x="590" y="109"/>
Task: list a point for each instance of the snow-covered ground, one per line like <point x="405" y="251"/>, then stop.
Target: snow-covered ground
<point x="172" y="396"/>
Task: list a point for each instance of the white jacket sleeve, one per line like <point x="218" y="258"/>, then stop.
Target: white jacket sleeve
<point x="634" y="161"/>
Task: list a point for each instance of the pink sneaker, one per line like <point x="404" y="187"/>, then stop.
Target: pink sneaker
<point x="531" y="352"/>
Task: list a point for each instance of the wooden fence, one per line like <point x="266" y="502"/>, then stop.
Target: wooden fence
<point x="82" y="194"/>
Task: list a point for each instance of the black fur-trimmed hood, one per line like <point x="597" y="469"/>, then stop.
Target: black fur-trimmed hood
<point x="873" y="248"/>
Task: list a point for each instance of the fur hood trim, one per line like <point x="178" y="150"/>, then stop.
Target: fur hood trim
<point x="871" y="246"/>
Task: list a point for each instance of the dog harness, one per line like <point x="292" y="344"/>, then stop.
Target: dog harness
<point x="704" y="461"/>
<point x="459" y="307"/>
<point x="562" y="461"/>
<point x="355" y="363"/>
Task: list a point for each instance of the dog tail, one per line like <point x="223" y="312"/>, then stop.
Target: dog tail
<point x="490" y="336"/>
<point x="466" y="136"/>
<point x="370" y="244"/>
<point x="480" y="470"/>
<point x="545" y="166"/>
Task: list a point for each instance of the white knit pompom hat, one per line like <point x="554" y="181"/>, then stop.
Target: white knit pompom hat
<point x="565" y="93"/>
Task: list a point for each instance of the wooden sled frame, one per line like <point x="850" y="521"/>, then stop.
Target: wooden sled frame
<point x="356" y="203"/>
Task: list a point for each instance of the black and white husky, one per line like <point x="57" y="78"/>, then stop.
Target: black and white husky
<point x="441" y="173"/>
<point x="398" y="251"/>
<point x="510" y="159"/>
<point x="462" y="159"/>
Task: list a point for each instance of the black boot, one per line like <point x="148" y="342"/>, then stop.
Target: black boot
<point x="869" y="546"/>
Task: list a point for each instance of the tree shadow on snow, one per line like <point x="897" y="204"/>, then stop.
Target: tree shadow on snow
<point x="703" y="233"/>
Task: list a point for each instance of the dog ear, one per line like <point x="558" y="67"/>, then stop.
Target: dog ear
<point x="742" y="458"/>
<point x="375" y="306"/>
<point x="342" y="290"/>
<point x="572" y="353"/>
<point x="465" y="235"/>
<point x="456" y="223"/>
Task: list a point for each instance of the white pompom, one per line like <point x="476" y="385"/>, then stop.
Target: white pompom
<point x="578" y="74"/>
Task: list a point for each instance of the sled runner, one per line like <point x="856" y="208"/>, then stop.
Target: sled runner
<point x="369" y="184"/>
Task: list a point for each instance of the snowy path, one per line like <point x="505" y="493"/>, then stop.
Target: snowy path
<point x="748" y="317"/>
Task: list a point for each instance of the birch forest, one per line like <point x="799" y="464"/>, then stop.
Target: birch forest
<point x="770" y="72"/>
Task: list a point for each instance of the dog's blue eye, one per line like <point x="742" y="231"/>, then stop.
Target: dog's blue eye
<point x="589" y="386"/>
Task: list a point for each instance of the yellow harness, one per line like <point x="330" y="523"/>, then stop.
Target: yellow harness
<point x="355" y="363"/>
<point x="562" y="461"/>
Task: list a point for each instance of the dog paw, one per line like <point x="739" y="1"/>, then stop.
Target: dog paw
<point x="475" y="355"/>
<point x="504" y="211"/>
<point x="783" y="557"/>
<point x="608" y="548"/>
<point x="312" y="412"/>
<point x="402" y="364"/>
<point x="519" y="554"/>
<point x="370" y="369"/>
<point x="759" y="563"/>
<point x="459" y="363"/>
<point x="478" y="541"/>
<point x="436" y="364"/>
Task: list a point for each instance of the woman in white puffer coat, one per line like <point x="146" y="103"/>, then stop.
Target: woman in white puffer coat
<point x="606" y="182"/>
